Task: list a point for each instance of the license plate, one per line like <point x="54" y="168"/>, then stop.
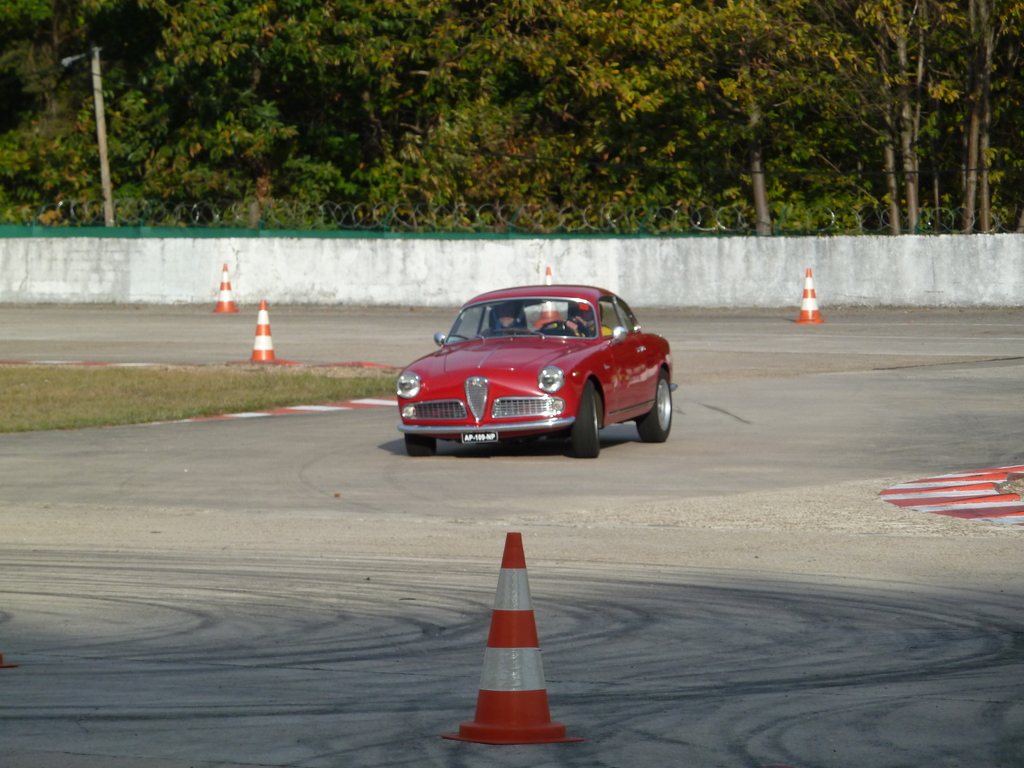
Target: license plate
<point x="479" y="437"/>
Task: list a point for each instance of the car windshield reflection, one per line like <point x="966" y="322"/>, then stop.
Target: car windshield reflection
<point x="554" y="317"/>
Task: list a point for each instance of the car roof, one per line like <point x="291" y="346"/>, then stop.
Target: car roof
<point x="587" y="292"/>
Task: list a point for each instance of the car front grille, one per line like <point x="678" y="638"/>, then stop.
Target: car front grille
<point x="476" y="395"/>
<point x="510" y="407"/>
<point x="440" y="409"/>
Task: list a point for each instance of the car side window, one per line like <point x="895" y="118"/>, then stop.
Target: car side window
<point x="609" y="315"/>
<point x="631" y="323"/>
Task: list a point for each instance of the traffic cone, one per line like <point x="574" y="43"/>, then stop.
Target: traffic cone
<point x="512" y="706"/>
<point x="548" y="314"/>
<point x="5" y="666"/>
<point x="263" y="347"/>
<point x="226" y="302"/>
<point x="809" y="308"/>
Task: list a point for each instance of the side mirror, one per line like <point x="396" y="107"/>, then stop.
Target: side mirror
<point x="618" y="333"/>
<point x="439" y="339"/>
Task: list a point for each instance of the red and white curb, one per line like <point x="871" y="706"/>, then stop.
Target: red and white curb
<point x="967" y="495"/>
<point x="350" y="405"/>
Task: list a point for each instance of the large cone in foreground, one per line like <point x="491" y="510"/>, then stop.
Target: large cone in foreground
<point x="512" y="706"/>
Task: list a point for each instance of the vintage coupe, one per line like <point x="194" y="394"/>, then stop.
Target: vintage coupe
<point x="555" y="360"/>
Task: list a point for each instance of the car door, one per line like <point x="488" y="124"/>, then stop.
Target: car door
<point x="624" y="362"/>
<point x="613" y="359"/>
<point x="638" y="359"/>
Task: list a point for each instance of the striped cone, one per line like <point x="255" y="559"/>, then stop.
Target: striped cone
<point x="512" y="706"/>
<point x="5" y="666"/>
<point x="226" y="302"/>
<point x="263" y="347"/>
<point x="809" y="308"/>
<point x="548" y="314"/>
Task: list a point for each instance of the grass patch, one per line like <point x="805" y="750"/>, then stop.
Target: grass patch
<point x="42" y="397"/>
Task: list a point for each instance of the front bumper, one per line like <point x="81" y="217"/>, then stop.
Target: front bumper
<point x="541" y="425"/>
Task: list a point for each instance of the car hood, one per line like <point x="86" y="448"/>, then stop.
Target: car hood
<point x="497" y="355"/>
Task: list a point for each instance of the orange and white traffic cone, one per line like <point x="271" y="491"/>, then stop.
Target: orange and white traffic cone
<point x="512" y="705"/>
<point x="548" y="314"/>
<point x="226" y="303"/>
<point x="263" y="347"/>
<point x="809" y="307"/>
<point x="5" y="666"/>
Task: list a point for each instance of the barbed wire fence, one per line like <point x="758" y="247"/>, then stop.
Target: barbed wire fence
<point x="420" y="218"/>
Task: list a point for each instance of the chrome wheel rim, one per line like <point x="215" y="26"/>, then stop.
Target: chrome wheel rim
<point x="664" y="405"/>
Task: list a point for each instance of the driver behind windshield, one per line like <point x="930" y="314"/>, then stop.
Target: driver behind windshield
<point x="581" y="319"/>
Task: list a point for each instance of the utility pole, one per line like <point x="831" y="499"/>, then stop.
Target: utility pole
<point x="101" y="138"/>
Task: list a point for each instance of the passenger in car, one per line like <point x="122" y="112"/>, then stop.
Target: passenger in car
<point x="507" y="316"/>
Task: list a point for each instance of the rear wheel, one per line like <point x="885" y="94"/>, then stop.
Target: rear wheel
<point x="586" y="440"/>
<point x="655" y="425"/>
<point x="418" y="445"/>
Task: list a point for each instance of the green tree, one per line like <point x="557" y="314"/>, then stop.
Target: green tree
<point x="514" y="104"/>
<point x="519" y="101"/>
<point x="764" y="66"/>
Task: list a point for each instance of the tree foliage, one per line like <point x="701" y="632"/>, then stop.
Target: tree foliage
<point x="836" y="104"/>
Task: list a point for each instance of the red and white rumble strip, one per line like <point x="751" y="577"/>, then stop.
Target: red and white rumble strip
<point x="346" y="406"/>
<point x="967" y="495"/>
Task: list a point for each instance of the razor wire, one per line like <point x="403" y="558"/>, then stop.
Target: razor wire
<point x="611" y="218"/>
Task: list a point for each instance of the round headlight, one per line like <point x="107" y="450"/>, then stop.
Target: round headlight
<point x="551" y="378"/>
<point x="408" y="384"/>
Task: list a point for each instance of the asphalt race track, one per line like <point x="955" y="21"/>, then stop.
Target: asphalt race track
<point x="295" y="591"/>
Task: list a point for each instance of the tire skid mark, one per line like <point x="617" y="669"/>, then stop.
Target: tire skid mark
<point x="717" y="669"/>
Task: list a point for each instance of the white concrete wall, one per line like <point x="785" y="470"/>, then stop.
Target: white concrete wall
<point x="979" y="270"/>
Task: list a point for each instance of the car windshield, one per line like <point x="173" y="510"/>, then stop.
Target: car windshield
<point x="572" y="318"/>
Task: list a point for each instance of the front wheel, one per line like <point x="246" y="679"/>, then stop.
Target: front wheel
<point x="419" y="445"/>
<point x="655" y="425"/>
<point x="586" y="440"/>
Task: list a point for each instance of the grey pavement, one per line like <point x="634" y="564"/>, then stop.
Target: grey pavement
<point x="295" y="591"/>
<point x="394" y="336"/>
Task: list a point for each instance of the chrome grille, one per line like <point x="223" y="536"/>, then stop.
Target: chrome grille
<point x="440" y="409"/>
<point x="476" y="395"/>
<point x="508" y="407"/>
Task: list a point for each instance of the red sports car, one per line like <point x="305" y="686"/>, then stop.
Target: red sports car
<point x="557" y="360"/>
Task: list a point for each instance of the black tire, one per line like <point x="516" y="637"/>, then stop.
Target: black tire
<point x="655" y="425"/>
<point x="585" y="433"/>
<point x="419" y="445"/>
